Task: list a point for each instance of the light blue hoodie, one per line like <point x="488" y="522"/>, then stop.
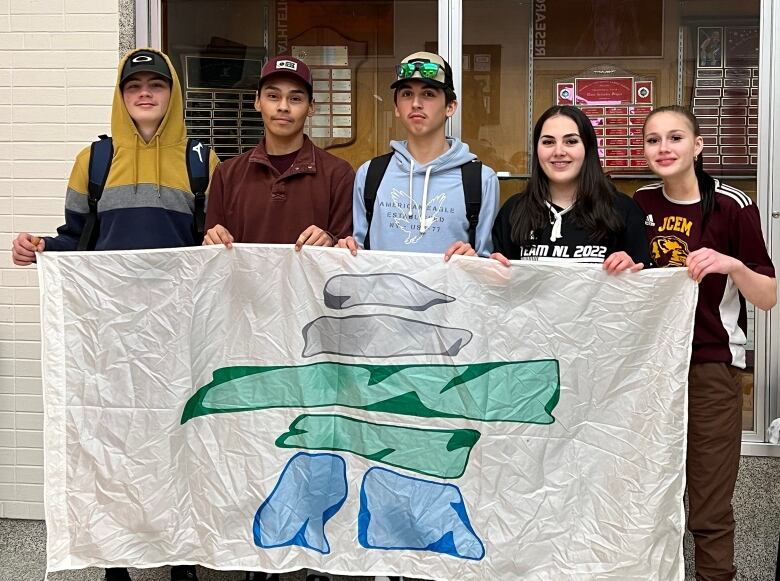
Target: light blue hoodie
<point x="422" y="208"/>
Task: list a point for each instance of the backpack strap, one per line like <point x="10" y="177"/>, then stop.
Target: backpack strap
<point x="101" y="153"/>
<point x="471" y="174"/>
<point x="376" y="171"/>
<point x="198" y="172"/>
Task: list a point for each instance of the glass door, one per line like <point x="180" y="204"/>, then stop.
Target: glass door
<point x="352" y="47"/>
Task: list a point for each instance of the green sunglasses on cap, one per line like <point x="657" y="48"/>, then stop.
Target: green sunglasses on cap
<point x="427" y="70"/>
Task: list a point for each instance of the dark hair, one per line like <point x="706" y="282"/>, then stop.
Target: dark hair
<point x="449" y="94"/>
<point x="594" y="206"/>
<point x="706" y="181"/>
<point x="309" y="89"/>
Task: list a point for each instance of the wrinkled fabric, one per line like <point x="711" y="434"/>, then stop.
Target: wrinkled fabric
<point x="579" y="476"/>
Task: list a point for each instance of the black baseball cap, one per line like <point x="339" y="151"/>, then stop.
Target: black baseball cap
<point x="145" y="61"/>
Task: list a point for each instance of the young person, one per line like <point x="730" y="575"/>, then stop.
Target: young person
<point x="147" y="201"/>
<point x="570" y="209"/>
<point x="712" y="229"/>
<point x="420" y="202"/>
<point x="425" y="197"/>
<point x="286" y="190"/>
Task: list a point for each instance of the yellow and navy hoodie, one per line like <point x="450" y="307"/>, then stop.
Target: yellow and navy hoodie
<point x="147" y="202"/>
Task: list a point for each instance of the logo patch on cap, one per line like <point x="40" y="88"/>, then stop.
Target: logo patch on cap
<point x="289" y="65"/>
<point x="142" y="58"/>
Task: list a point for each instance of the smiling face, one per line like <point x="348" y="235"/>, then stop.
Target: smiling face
<point x="422" y="108"/>
<point x="284" y="103"/>
<point x="146" y="97"/>
<point x="561" y="151"/>
<point x="671" y="144"/>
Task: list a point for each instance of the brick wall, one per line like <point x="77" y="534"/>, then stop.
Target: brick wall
<point x="57" y="70"/>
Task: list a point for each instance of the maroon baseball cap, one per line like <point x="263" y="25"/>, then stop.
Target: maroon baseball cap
<point x="287" y="65"/>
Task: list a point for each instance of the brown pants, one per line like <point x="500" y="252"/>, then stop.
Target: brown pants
<point x="714" y="442"/>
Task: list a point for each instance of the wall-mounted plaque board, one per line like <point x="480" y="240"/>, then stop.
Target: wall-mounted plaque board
<point x="333" y="91"/>
<point x="725" y="96"/>
<point x="617" y="107"/>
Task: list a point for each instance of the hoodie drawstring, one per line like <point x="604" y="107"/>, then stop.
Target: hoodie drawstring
<point x="411" y="187"/>
<point x="135" y="163"/>
<point x="556" y="229"/>
<point x="423" y="225"/>
<point x="157" y="166"/>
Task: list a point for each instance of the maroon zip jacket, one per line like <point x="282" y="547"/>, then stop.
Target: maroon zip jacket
<point x="255" y="203"/>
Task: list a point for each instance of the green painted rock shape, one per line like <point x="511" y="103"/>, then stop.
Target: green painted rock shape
<point x="509" y="391"/>
<point x="440" y="453"/>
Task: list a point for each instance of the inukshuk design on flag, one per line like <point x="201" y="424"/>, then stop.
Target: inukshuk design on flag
<point x="397" y="511"/>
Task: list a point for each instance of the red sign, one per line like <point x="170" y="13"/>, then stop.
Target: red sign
<point x="638" y="163"/>
<point x="593" y="111"/>
<point x="637" y="152"/>
<point x="605" y="91"/>
<point x="617" y="163"/>
<point x="565" y="93"/>
<point x="617" y="120"/>
<point x="617" y="142"/>
<point x="640" y="110"/>
<point x="635" y="131"/>
<point x="644" y="92"/>
<point x="617" y="131"/>
<point x="617" y="152"/>
<point x="636" y="141"/>
<point x="599" y="131"/>
<point x="617" y="110"/>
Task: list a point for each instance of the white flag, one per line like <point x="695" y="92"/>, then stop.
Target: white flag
<point x="262" y="409"/>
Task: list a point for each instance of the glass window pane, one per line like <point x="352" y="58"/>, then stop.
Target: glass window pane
<point x="494" y="90"/>
<point x="352" y="47"/>
<point x="615" y="60"/>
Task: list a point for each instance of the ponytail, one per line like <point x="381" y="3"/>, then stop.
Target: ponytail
<point x="706" y="189"/>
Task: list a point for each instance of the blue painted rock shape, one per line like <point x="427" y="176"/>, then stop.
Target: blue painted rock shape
<point x="399" y="512"/>
<point x="311" y="489"/>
